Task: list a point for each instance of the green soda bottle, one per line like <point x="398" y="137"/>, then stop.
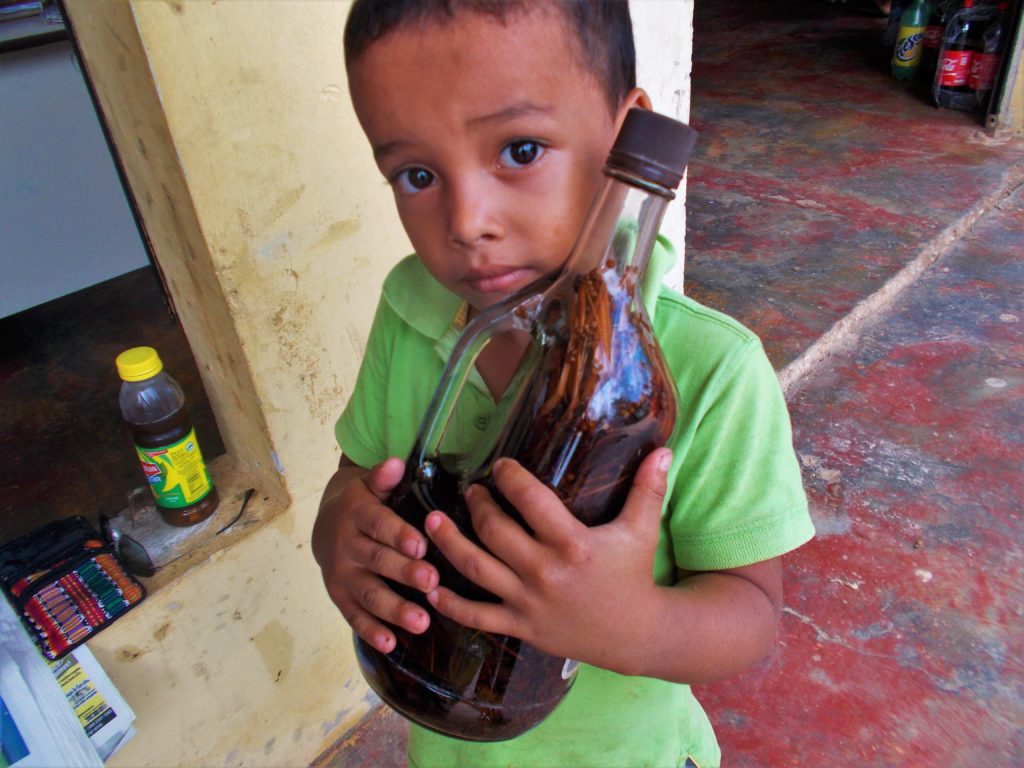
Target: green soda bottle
<point x="906" y="56"/>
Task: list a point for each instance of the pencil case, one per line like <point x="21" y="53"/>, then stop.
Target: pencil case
<point x="66" y="583"/>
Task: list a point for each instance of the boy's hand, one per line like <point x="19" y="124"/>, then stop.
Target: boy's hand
<point x="573" y="591"/>
<point x="357" y="540"/>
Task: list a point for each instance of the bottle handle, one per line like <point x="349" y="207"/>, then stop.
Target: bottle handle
<point x="516" y="313"/>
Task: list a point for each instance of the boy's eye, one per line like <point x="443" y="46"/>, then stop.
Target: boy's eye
<point x="520" y="153"/>
<point x="413" y="179"/>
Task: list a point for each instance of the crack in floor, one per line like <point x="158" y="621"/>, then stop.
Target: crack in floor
<point x="847" y="329"/>
<point x="940" y="683"/>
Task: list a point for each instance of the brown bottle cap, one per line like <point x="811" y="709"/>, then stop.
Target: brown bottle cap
<point x="653" y="146"/>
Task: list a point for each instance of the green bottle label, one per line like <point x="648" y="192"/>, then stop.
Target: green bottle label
<point x="908" y="47"/>
<point x="176" y="472"/>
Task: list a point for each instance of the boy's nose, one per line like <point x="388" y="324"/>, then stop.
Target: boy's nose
<point x="473" y="214"/>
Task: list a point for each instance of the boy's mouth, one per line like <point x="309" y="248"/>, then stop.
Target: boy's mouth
<point x="497" y="279"/>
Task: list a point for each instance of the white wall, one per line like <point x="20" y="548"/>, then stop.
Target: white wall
<point x="663" y="33"/>
<point x="64" y="220"/>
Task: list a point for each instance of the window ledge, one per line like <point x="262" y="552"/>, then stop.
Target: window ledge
<point x="174" y="551"/>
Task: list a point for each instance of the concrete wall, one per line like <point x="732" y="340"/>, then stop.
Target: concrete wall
<point x="663" y="32"/>
<point x="273" y="231"/>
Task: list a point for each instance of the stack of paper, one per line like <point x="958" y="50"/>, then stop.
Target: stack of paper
<point x="62" y="713"/>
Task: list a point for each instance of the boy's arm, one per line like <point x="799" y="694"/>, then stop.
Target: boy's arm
<point x="587" y="593"/>
<point x="357" y="540"/>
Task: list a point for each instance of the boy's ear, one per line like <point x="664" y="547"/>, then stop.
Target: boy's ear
<point x="635" y="98"/>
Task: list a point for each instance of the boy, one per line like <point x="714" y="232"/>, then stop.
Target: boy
<point x="491" y="121"/>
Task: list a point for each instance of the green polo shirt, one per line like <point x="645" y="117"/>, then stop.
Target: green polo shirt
<point x="735" y="498"/>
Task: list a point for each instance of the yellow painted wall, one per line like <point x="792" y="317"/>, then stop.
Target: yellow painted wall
<point x="273" y="231"/>
<point x="298" y="221"/>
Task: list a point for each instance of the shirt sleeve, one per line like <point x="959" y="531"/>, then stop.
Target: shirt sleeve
<point x="738" y="496"/>
<point x="360" y="429"/>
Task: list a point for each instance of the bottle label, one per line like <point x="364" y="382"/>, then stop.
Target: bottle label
<point x="932" y="36"/>
<point x="983" y="71"/>
<point x="908" y="47"/>
<point x="954" y="69"/>
<point x="176" y="472"/>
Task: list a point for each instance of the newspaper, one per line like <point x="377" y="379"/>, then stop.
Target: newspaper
<point x="102" y="712"/>
<point x="62" y="713"/>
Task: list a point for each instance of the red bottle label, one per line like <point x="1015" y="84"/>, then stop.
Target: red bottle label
<point x="983" y="71"/>
<point x="933" y="36"/>
<point x="954" y="68"/>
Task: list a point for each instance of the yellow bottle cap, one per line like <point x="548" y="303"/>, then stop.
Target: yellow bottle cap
<point x="138" y="363"/>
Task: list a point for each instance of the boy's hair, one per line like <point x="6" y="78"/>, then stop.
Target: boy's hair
<point x="603" y="29"/>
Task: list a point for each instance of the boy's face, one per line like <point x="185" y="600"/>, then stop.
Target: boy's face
<point x="493" y="138"/>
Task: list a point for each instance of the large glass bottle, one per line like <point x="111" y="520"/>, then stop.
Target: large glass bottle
<point x="591" y="397"/>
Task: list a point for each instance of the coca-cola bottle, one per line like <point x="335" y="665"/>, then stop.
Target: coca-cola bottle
<point x="940" y="13"/>
<point x="985" y="63"/>
<point x="959" y="42"/>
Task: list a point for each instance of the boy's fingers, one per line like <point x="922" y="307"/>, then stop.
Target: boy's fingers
<point x="647" y="494"/>
<point x="475" y="563"/>
<point x="534" y="501"/>
<point x="389" y="529"/>
<point x="383" y="478"/>
<point x="370" y="603"/>
<point x="490" y="617"/>
<point x="384" y="560"/>
<point x="500" y="534"/>
<point x="383" y="527"/>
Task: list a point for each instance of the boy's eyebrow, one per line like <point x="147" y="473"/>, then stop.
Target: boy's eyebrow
<point x="511" y="112"/>
<point x="386" y="149"/>
<point x="505" y="114"/>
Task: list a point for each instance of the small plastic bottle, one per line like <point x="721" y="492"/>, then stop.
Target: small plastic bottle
<point x="153" y="406"/>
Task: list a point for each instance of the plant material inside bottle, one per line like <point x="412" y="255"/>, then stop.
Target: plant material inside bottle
<point x="599" y="403"/>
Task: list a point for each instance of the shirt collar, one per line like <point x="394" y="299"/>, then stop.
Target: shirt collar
<point x="420" y="300"/>
<point x="440" y="315"/>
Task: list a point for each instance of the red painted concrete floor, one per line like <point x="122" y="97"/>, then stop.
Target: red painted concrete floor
<point x="824" y="192"/>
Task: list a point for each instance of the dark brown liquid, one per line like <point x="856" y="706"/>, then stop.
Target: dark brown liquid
<point x="165" y="432"/>
<point x="453" y="679"/>
<point x="599" y="402"/>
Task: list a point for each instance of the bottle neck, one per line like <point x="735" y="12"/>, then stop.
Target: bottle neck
<point x="622" y="226"/>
